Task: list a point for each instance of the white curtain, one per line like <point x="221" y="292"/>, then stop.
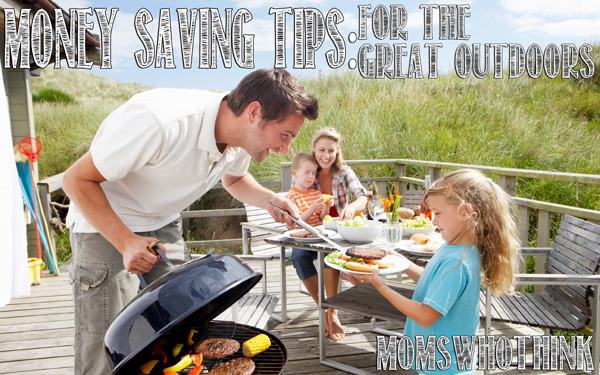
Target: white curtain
<point x="14" y="280"/>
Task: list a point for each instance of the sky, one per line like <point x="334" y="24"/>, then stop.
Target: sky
<point x="491" y="21"/>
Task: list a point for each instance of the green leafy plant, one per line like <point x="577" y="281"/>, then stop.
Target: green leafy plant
<point x="51" y="95"/>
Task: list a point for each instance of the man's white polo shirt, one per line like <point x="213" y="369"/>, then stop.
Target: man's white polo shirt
<point x="158" y="154"/>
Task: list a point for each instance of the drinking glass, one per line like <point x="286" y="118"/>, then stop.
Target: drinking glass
<point x="392" y="232"/>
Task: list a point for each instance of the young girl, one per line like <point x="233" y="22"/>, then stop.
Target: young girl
<point x="473" y="215"/>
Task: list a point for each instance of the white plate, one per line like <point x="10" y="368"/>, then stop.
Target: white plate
<point x="407" y="232"/>
<point x="396" y="263"/>
<point x="326" y="232"/>
<point x="409" y="247"/>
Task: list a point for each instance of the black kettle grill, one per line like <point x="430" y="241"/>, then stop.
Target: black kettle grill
<point x="188" y="297"/>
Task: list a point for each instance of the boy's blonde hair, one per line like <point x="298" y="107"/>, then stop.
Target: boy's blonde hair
<point x="334" y="135"/>
<point x="494" y="228"/>
<point x="302" y="157"/>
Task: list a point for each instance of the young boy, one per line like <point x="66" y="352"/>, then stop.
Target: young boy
<point x="313" y="205"/>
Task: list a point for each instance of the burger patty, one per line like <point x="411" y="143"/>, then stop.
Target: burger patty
<point x="237" y="366"/>
<point x="366" y="253"/>
<point x="303" y="233"/>
<point x="216" y="348"/>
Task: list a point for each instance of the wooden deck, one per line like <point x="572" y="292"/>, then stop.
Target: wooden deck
<point x="36" y="332"/>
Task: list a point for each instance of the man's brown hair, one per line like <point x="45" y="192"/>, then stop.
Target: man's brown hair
<point x="278" y="93"/>
<point x="302" y="157"/>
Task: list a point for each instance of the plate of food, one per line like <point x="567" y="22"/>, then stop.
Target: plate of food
<point x="363" y="260"/>
<point x="302" y="235"/>
<point x="421" y="244"/>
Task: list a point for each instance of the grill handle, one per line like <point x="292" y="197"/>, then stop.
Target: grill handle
<point x="154" y="246"/>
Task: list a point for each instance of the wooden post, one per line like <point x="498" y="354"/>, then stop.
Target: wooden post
<point x="286" y="177"/>
<point x="245" y="240"/>
<point x="543" y="240"/>
<point x="543" y="228"/>
<point x="401" y="172"/>
<point x="523" y="227"/>
<point x="435" y="173"/>
<point x="509" y="184"/>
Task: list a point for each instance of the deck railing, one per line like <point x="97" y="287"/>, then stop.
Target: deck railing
<point x="539" y="235"/>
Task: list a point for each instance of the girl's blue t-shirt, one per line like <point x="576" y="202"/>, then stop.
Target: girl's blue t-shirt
<point x="450" y="284"/>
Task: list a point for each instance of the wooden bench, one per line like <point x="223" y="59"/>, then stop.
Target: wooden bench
<point x="412" y="197"/>
<point x="259" y="225"/>
<point x="253" y="309"/>
<point x="570" y="280"/>
<point x="256" y="228"/>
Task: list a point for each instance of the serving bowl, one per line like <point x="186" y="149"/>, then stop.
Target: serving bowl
<point x="331" y="224"/>
<point x="359" y="232"/>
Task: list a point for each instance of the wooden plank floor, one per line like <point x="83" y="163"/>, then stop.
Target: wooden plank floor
<point x="36" y="332"/>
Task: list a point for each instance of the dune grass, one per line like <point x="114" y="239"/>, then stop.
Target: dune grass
<point x="531" y="124"/>
<point x="67" y="128"/>
<point x="547" y="124"/>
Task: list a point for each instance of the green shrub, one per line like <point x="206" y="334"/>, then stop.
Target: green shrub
<point x="50" y="95"/>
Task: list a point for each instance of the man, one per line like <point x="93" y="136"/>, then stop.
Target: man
<point x="151" y="158"/>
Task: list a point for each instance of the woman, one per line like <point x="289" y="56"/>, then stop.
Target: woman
<point x="341" y="182"/>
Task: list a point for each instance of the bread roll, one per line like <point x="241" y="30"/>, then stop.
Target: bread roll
<point x="419" y="238"/>
<point x="361" y="267"/>
<point x="406" y="213"/>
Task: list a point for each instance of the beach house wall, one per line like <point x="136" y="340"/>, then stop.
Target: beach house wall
<point x="17" y="91"/>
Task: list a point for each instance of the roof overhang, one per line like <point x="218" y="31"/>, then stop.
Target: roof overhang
<point x="92" y="41"/>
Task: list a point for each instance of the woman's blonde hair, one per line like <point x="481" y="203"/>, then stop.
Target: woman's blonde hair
<point x="331" y="134"/>
<point x="492" y="222"/>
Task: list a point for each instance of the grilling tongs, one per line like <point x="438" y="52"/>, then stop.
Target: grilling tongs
<point x="304" y="225"/>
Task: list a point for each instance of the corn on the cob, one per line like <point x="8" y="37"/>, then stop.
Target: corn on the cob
<point x="326" y="197"/>
<point x="256" y="345"/>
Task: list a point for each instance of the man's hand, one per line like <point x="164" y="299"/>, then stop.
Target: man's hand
<point x="137" y="256"/>
<point x="285" y="204"/>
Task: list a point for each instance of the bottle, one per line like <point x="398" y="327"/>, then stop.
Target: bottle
<point x="370" y="207"/>
<point x="427" y="181"/>
<point x="426" y="211"/>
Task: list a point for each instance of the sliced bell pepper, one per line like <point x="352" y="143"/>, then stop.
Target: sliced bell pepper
<point x="190" y="337"/>
<point x="196" y="370"/>
<point x="177" y="349"/>
<point x="184" y="362"/>
<point x="159" y="351"/>
<point x="197" y="359"/>
<point x="147" y="367"/>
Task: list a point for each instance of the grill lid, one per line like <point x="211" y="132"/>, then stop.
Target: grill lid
<point x="194" y="293"/>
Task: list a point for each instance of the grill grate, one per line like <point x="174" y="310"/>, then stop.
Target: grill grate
<point x="271" y="361"/>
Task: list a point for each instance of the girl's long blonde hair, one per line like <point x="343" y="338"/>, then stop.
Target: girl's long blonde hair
<point x="333" y="135"/>
<point x="493" y="224"/>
